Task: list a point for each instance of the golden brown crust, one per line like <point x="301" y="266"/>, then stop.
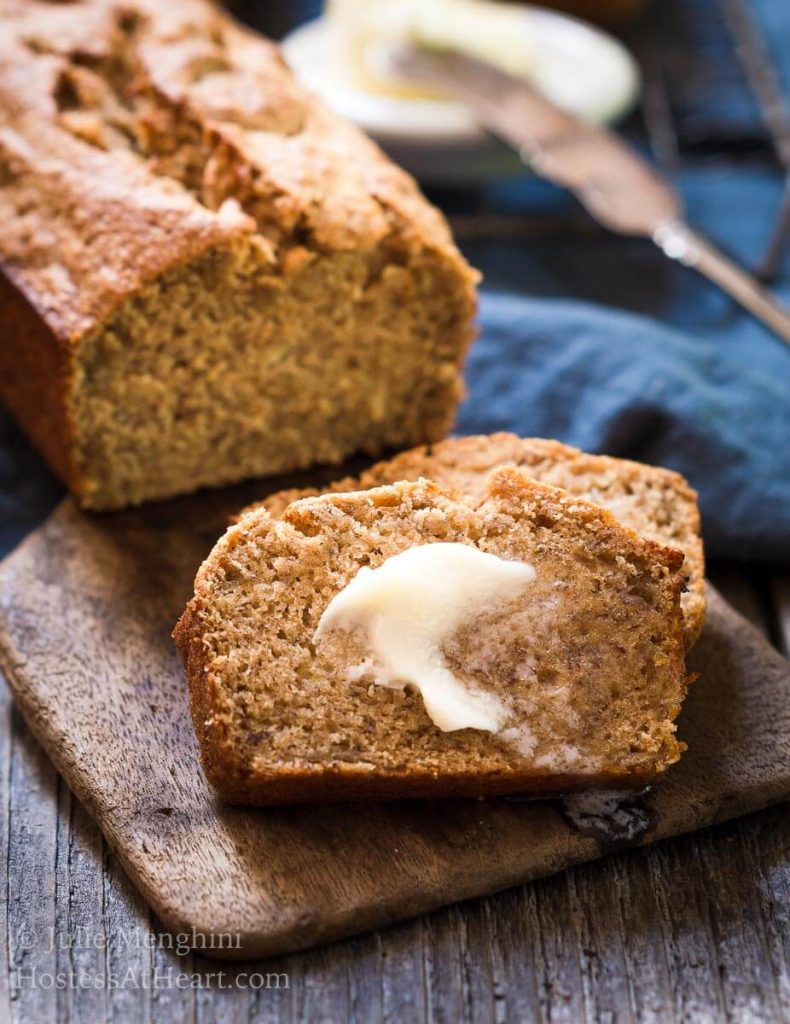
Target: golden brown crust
<point x="657" y="502"/>
<point x="100" y="193"/>
<point x="228" y="761"/>
<point x="34" y="380"/>
<point x="341" y="784"/>
<point x="219" y="761"/>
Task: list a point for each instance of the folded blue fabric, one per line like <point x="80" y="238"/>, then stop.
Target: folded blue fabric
<point x="716" y="410"/>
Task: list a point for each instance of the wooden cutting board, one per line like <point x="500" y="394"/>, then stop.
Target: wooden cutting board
<point x="86" y="609"/>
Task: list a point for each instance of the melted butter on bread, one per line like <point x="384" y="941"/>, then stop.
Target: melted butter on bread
<point x="414" y="602"/>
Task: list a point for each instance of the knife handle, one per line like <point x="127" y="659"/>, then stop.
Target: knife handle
<point x="678" y="241"/>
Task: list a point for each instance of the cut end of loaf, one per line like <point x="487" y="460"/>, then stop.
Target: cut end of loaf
<point x="589" y="660"/>
<point x="225" y="370"/>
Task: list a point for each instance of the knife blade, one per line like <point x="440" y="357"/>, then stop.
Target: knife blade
<point x="620" y="189"/>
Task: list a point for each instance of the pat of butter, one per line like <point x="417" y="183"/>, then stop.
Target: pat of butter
<point x="500" y="33"/>
<point x="495" y="32"/>
<point x="414" y="602"/>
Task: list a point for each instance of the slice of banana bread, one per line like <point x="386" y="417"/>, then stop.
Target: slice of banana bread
<point x="589" y="660"/>
<point x="657" y="503"/>
<point x="206" y="274"/>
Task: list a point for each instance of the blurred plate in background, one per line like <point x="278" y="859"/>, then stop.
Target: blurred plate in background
<point x="579" y="67"/>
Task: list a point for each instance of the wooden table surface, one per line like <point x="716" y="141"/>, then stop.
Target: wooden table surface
<point x="693" y="929"/>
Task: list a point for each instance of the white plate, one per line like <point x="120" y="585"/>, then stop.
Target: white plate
<point x="581" y="68"/>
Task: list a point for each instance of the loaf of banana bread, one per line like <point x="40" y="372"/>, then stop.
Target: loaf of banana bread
<point x="578" y="672"/>
<point x="207" y="275"/>
<point x="658" y="503"/>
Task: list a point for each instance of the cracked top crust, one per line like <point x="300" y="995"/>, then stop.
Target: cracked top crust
<point x="135" y="136"/>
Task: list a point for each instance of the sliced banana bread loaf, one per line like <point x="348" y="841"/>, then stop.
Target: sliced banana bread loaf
<point x="206" y="275"/>
<point x="586" y="661"/>
<point x="657" y="503"/>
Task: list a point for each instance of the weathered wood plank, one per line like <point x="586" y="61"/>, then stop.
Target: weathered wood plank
<point x="684" y="911"/>
<point x="403" y="994"/>
<point x="654" y="992"/>
<point x="477" y="980"/>
<point x="514" y="949"/>
<point x="443" y="969"/>
<point x="127" y="954"/>
<point x="6" y="826"/>
<point x="765" y="839"/>
<point x="31" y="909"/>
<point x="748" y="992"/>
<point x="361" y="956"/>
<point x="601" y="954"/>
<point x="274" y="1002"/>
<point x="635" y="917"/>
<point x="233" y="997"/>
<point x="79" y="926"/>
<point x="561" y="995"/>
<point x="321" y="993"/>
<point x="171" y="998"/>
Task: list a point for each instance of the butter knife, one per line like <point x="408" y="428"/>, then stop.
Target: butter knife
<point x="618" y="188"/>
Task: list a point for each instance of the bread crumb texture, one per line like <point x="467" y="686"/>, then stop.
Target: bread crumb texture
<point x="207" y="275"/>
<point x="658" y="503"/>
<point x="588" y="659"/>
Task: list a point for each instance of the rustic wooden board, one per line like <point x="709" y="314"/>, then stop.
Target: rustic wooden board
<point x="86" y="608"/>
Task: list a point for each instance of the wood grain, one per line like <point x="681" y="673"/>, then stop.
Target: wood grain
<point x="110" y="708"/>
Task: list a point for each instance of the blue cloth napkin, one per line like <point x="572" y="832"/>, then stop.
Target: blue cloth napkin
<point x="607" y="381"/>
<point x="706" y="391"/>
